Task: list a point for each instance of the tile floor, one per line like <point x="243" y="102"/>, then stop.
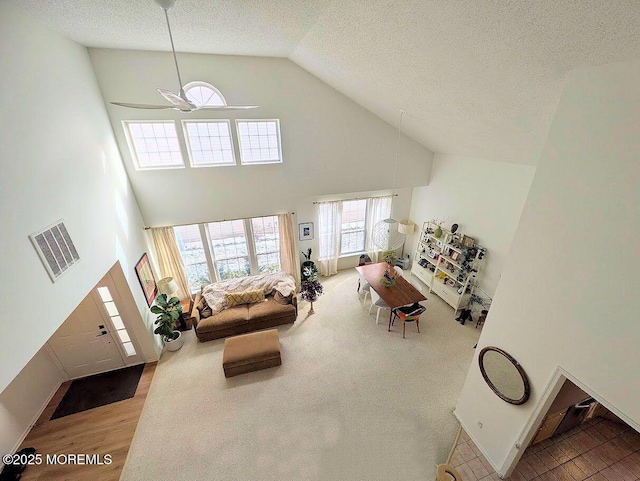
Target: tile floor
<point x="598" y="450"/>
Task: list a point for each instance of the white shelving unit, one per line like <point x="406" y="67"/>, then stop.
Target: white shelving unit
<point x="446" y="266"/>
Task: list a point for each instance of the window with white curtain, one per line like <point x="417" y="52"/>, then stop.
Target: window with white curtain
<point x="355" y="223"/>
<point x="352" y="229"/>
<point x="229" y="249"/>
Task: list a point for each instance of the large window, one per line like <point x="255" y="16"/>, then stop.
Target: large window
<point x="209" y="142"/>
<point x="259" y="141"/>
<point x="229" y="249"/>
<point x="352" y="229"/>
<point x="193" y="254"/>
<point x="154" y="145"/>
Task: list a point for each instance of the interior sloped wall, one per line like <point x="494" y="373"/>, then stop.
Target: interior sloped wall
<point x="330" y="144"/>
<point x="59" y="160"/>
<point x="568" y="294"/>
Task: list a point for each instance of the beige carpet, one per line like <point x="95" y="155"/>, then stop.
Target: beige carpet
<point x="351" y="401"/>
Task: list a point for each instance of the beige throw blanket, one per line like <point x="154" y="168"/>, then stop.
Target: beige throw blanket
<point x="214" y="293"/>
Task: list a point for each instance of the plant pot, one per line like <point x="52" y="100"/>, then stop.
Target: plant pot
<point x="175" y="344"/>
<point x="438" y="232"/>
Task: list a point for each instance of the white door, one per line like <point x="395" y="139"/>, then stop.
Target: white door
<point x="84" y="344"/>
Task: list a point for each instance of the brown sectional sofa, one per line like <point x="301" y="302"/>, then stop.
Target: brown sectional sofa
<point x="243" y="318"/>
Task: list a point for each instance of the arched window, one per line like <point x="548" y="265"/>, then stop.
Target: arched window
<point x="202" y="93"/>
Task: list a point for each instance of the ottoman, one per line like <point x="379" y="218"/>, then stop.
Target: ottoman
<point x="251" y="352"/>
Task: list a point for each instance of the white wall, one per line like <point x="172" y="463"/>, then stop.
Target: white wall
<point x="568" y="294"/>
<point x="24" y="398"/>
<point x="485" y="198"/>
<point x="330" y="144"/>
<point x="59" y="160"/>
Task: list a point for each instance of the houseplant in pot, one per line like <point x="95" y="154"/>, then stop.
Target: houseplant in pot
<point x="310" y="288"/>
<point x="168" y="310"/>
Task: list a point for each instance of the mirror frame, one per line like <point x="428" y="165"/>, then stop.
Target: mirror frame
<point x="516" y="364"/>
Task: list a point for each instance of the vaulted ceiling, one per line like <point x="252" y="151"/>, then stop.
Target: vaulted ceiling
<point x="476" y="78"/>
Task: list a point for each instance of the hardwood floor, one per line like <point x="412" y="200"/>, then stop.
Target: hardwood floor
<point x="104" y="430"/>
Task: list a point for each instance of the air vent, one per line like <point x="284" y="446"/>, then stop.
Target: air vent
<point x="55" y="248"/>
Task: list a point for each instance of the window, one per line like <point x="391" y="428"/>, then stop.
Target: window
<point x="266" y="238"/>
<point x="202" y="93"/>
<point x="228" y="242"/>
<point x="209" y="142"/>
<point x="229" y="249"/>
<point x="121" y="330"/>
<point x="193" y="255"/>
<point x="154" y="145"/>
<point x="352" y="229"/>
<point x="259" y="141"/>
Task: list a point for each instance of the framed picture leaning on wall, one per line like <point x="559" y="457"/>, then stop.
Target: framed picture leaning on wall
<point x="147" y="281"/>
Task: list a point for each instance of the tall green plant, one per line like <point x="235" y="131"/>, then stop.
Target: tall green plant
<point x="168" y="310"/>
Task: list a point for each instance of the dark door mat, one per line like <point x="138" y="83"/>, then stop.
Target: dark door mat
<point x="99" y="390"/>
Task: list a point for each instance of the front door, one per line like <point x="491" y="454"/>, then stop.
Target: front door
<point x="84" y="344"/>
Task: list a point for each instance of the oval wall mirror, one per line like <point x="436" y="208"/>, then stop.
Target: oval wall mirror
<point x="504" y="375"/>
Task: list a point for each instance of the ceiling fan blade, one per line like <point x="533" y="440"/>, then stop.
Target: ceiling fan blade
<point x="227" y="107"/>
<point x="176" y="100"/>
<point x="142" y="106"/>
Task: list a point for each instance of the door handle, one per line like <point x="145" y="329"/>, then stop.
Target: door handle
<point x="103" y="333"/>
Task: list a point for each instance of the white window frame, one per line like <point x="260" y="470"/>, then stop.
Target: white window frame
<point x="251" y="248"/>
<point x="279" y="138"/>
<point x="187" y="141"/>
<point x="134" y="152"/>
<point x="364" y="230"/>
<point x="200" y="83"/>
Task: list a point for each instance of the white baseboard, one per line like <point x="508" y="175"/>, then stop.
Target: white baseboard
<point x="36" y="417"/>
<point x="477" y="444"/>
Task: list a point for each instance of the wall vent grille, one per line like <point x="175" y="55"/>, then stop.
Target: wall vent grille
<point x="56" y="249"/>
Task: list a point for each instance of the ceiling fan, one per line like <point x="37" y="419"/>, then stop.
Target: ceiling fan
<point x="179" y="101"/>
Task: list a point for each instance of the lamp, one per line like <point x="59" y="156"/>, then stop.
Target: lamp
<point x="386" y="233"/>
<point x="168" y="286"/>
<point x="406" y="227"/>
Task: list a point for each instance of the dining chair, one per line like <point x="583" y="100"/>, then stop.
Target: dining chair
<point x="377" y="301"/>
<point x="409" y="313"/>
<point x="399" y="271"/>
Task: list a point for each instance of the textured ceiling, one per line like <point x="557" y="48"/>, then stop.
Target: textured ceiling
<point x="476" y="78"/>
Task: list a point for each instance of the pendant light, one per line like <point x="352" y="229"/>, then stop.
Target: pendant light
<point x="386" y="234"/>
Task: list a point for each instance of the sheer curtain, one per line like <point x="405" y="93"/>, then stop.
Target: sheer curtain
<point x="378" y="208"/>
<point x="288" y="252"/>
<point x="170" y="260"/>
<point x="329" y="224"/>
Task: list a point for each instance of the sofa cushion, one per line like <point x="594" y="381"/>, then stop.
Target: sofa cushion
<point x="269" y="309"/>
<point x="233" y="316"/>
<point x="246" y="297"/>
<point x="280" y="299"/>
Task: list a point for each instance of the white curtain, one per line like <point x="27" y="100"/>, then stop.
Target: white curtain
<point x="170" y="260"/>
<point x="288" y="252"/>
<point x="329" y="224"/>
<point x="378" y="208"/>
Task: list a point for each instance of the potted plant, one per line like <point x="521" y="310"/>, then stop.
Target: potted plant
<point x="310" y="288"/>
<point x="390" y="257"/>
<point x="168" y="310"/>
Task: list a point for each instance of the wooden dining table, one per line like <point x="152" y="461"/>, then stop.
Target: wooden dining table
<point x="400" y="294"/>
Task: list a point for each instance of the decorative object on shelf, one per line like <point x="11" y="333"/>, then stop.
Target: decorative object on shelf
<point x="455" y="255"/>
<point x="451" y="282"/>
<point x="504" y="375"/>
<point x="310" y="288"/>
<point x="305" y="231"/>
<point x="468" y="241"/>
<point x="178" y="101"/>
<point x="386" y="233"/>
<point x="437" y="230"/>
<point x="388" y="279"/>
<point x="454" y="228"/>
<point x="168" y="310"/>
<point x="146" y="279"/>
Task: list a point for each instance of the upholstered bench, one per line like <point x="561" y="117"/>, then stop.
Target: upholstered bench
<point x="251" y="352"/>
